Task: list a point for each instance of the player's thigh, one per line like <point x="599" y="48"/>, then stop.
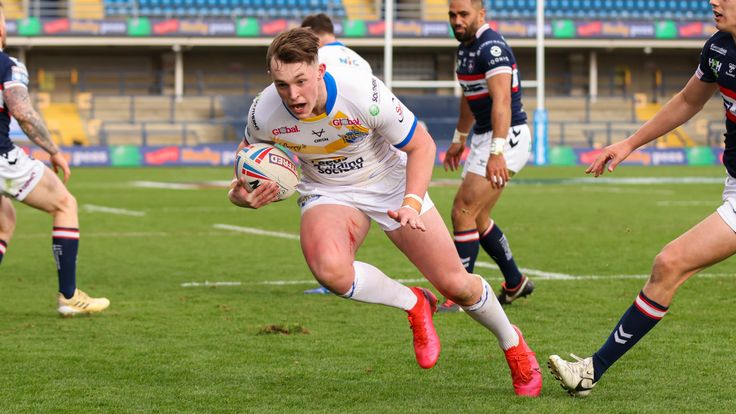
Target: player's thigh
<point x="50" y="194"/>
<point x="708" y="242"/>
<point x="476" y="194"/>
<point x="432" y="252"/>
<point x="331" y="234"/>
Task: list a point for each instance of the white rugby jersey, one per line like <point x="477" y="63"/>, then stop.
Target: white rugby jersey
<point x="337" y="56"/>
<point x="355" y="142"/>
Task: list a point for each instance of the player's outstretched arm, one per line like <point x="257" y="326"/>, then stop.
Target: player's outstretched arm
<point x="240" y="196"/>
<point x="683" y="106"/>
<point x="19" y="105"/>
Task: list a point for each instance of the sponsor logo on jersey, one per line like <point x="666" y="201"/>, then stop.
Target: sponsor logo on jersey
<point x="285" y="130"/>
<point x="352" y="136"/>
<point x="347" y="61"/>
<point x="399" y="109"/>
<point x="375" y="97"/>
<point x="719" y="50"/>
<point x="374" y="110"/>
<point x="496" y="51"/>
<point x="318" y="133"/>
<point x="307" y="199"/>
<point x="252" y="114"/>
<point x="731" y="69"/>
<point x="498" y="60"/>
<point x="340" y="122"/>
<point x="337" y="165"/>
<point x="715" y="66"/>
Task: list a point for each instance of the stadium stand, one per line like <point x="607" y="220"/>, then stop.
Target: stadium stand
<point x="223" y="8"/>
<point x="407" y="9"/>
<point x="603" y="9"/>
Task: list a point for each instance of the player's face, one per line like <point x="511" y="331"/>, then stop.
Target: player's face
<point x="724" y="13"/>
<point x="465" y="19"/>
<point x="298" y="85"/>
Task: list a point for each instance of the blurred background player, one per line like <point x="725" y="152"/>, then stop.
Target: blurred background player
<point x="707" y="243"/>
<point x="376" y="164"/>
<point x="487" y="72"/>
<point x="29" y="181"/>
<point x="335" y="56"/>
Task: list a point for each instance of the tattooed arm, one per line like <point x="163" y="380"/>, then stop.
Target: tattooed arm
<point x="19" y="105"/>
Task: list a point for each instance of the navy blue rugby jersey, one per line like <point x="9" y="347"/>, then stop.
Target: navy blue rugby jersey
<point x="487" y="56"/>
<point x="718" y="64"/>
<point x="12" y="73"/>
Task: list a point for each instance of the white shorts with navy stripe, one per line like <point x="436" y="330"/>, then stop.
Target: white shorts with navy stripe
<point x="728" y="210"/>
<point x="516" y="152"/>
<point x="19" y="173"/>
<point x="374" y="199"/>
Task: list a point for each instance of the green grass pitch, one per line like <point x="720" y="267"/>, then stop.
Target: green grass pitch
<point x="256" y="346"/>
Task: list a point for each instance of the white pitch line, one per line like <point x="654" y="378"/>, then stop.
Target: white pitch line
<point x="111" y="210"/>
<point x="251" y="230"/>
<point x="421" y="280"/>
<point x="207" y="283"/>
<point x="538" y="274"/>
<point x="166" y="186"/>
<point x="686" y="203"/>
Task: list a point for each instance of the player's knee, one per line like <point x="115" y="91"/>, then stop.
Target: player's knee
<point x="7" y="228"/>
<point x="332" y="272"/>
<point x="668" y="267"/>
<point x="462" y="212"/>
<point x="459" y="289"/>
<point x="66" y="204"/>
<point x="7" y="221"/>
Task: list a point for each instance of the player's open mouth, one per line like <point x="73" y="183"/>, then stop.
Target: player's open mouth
<point x="298" y="107"/>
<point x="717" y="15"/>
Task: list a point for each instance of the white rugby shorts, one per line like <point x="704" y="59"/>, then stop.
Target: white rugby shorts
<point x="374" y="199"/>
<point x="19" y="173"/>
<point x="728" y="210"/>
<point x="516" y="152"/>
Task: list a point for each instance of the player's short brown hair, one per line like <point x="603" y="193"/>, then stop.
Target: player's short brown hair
<point x="319" y="23"/>
<point x="298" y="45"/>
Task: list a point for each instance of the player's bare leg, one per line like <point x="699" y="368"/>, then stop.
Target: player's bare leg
<point x="473" y="229"/>
<point x="432" y="252"/>
<point x="709" y="242"/>
<point x="50" y="195"/>
<point x="330" y="236"/>
<point x="7" y="224"/>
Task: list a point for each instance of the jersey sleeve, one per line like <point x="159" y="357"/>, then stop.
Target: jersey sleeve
<point x="388" y="117"/>
<point x="495" y="58"/>
<point x="704" y="71"/>
<point x="14" y="73"/>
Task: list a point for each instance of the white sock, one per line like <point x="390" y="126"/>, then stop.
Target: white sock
<point x="372" y="286"/>
<point x="489" y="313"/>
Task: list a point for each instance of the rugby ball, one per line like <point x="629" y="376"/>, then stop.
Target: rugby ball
<point x="264" y="162"/>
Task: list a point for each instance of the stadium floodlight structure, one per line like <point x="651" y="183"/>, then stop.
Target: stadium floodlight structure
<point x="540" y="114"/>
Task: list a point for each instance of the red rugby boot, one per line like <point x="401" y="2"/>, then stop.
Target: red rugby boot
<point x="525" y="373"/>
<point x="426" y="341"/>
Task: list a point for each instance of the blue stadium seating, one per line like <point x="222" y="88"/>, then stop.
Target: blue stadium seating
<point x="223" y="8"/>
<point x="499" y="9"/>
<point x="603" y="9"/>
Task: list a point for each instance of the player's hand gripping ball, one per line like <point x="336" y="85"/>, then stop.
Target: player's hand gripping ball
<point x="264" y="162"/>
